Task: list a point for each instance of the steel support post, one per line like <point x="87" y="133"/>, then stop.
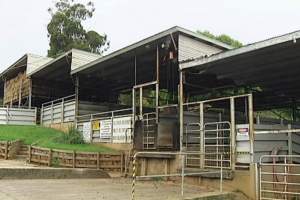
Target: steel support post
<point x="141" y="103"/>
<point x="251" y="127"/>
<point x="181" y="101"/>
<point x="202" y="141"/>
<point x="76" y="98"/>
<point x="233" y="133"/>
<point x="157" y="84"/>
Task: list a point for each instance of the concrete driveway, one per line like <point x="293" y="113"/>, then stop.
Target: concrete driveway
<point x="91" y="189"/>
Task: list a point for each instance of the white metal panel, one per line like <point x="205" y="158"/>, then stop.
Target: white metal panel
<point x="52" y="113"/>
<point x="17" y="116"/>
<point x="189" y="48"/>
<point x="35" y="61"/>
<point x="80" y="58"/>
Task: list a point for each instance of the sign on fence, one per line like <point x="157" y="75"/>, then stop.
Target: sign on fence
<point x="105" y="129"/>
<point x="122" y="127"/>
<point x="86" y="131"/>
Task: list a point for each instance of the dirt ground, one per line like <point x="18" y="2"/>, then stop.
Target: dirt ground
<point x="91" y="189"/>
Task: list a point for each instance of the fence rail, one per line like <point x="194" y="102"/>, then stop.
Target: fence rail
<point x="73" y="159"/>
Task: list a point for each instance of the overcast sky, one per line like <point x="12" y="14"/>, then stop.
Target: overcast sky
<point x="23" y="22"/>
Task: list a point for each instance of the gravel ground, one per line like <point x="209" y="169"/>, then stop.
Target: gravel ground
<point x="92" y="189"/>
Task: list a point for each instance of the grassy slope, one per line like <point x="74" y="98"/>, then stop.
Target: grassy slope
<point x="43" y="137"/>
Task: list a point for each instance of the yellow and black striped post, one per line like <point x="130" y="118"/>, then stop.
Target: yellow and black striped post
<point x="133" y="177"/>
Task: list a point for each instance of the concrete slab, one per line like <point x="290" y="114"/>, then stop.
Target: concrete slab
<point x="92" y="189"/>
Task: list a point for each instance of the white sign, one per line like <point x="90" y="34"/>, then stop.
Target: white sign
<point x="122" y="128"/>
<point x="86" y="131"/>
<point x="105" y="129"/>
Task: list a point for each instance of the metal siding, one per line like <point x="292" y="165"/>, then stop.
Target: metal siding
<point x="189" y="48"/>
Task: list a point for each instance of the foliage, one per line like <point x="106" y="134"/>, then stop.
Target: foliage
<point x="66" y="31"/>
<point x="222" y="38"/>
<point x="44" y="137"/>
<point x="72" y="137"/>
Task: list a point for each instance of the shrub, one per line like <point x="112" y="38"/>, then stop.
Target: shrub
<point x="72" y="137"/>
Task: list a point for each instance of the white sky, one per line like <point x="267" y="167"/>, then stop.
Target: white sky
<point x="23" y="22"/>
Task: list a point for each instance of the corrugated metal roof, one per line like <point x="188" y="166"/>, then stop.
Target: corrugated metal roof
<point x="294" y="36"/>
<point x="150" y="39"/>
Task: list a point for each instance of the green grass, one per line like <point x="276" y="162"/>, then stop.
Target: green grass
<point x="44" y="137"/>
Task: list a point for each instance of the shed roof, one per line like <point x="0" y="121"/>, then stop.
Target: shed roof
<point x="293" y="36"/>
<point x="28" y="61"/>
<point x="63" y="64"/>
<point x="151" y="39"/>
<point x="271" y="65"/>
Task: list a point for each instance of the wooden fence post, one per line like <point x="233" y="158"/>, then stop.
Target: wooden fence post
<point x="29" y="154"/>
<point x="49" y="157"/>
<point x="6" y="150"/>
<point x="74" y="159"/>
<point x="98" y="160"/>
<point x="121" y="162"/>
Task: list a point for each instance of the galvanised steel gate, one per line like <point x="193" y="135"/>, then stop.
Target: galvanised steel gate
<point x="149" y="130"/>
<point x="279" y="177"/>
<point x="217" y="142"/>
<point x="211" y="135"/>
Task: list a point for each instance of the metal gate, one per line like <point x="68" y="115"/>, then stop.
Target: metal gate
<point x="192" y="143"/>
<point x="213" y="135"/>
<point x="279" y="177"/>
<point x="149" y="131"/>
<point x="217" y="142"/>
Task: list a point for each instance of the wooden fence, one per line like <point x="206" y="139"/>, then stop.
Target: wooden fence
<point x="4" y="147"/>
<point x="8" y="150"/>
<point x="112" y="162"/>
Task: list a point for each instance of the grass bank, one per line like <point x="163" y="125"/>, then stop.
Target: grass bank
<point x="44" y="137"/>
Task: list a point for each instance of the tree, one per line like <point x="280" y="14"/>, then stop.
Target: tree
<point x="222" y="38"/>
<point x="65" y="30"/>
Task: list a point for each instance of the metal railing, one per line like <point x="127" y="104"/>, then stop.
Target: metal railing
<point x="183" y="173"/>
<point x="279" y="177"/>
